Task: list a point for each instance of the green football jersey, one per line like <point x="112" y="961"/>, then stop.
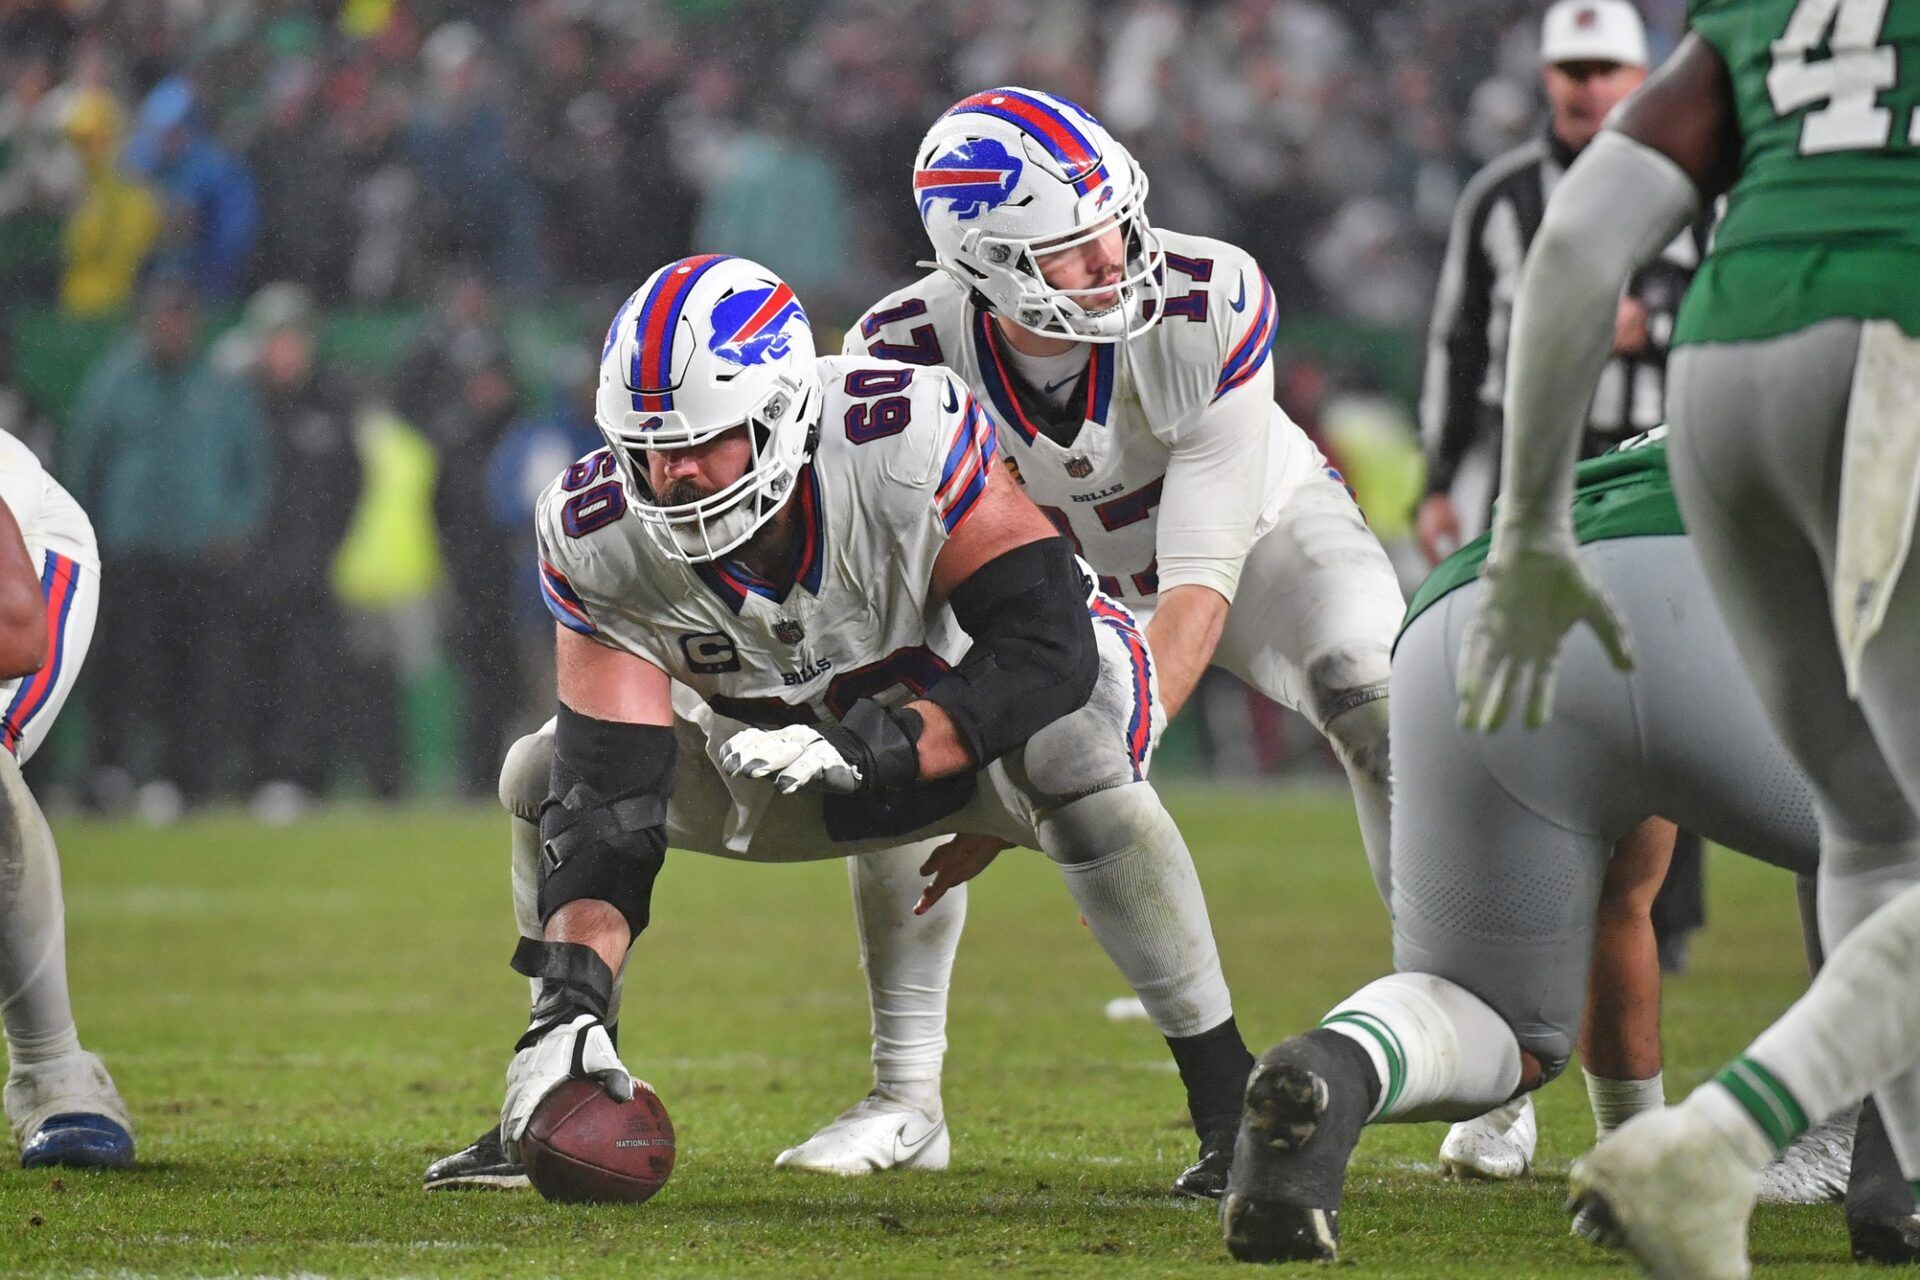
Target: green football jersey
<point x="1623" y="494"/>
<point x="1824" y="220"/>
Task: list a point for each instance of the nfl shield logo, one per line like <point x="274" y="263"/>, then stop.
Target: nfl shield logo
<point x="1079" y="468"/>
<point x="787" y="631"/>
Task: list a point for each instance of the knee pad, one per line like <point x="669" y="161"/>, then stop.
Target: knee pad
<point x="1347" y="676"/>
<point x="526" y="772"/>
<point x="1359" y="733"/>
<point x="1113" y="820"/>
<point x="1074" y="757"/>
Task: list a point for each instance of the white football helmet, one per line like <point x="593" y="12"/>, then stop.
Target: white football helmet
<point x="708" y="344"/>
<point x="1009" y="176"/>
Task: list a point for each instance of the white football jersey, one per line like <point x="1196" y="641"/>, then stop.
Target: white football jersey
<point x="1136" y="399"/>
<point x="49" y="519"/>
<point x="902" y="461"/>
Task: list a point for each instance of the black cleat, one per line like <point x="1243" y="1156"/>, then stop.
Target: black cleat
<point x="1307" y="1100"/>
<point x="1894" y="1241"/>
<point x="1206" y="1178"/>
<point x="482" y="1165"/>
<point x="1881" y="1221"/>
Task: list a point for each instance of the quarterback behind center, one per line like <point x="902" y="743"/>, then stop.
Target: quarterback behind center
<point x="804" y="614"/>
<point x="1128" y="371"/>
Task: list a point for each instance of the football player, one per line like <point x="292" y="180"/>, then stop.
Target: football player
<point x="1503" y="847"/>
<point x="1796" y="358"/>
<point x="804" y="612"/>
<point x="60" y="1101"/>
<point x="1128" y="371"/>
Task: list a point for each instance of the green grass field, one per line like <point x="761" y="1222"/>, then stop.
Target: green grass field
<point x="301" y="1019"/>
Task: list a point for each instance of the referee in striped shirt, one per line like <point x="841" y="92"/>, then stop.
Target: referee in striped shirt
<point x="1593" y="54"/>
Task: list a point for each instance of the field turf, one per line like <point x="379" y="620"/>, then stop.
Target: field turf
<point x="302" y="1019"/>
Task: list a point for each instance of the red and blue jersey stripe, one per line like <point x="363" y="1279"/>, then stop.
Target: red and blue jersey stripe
<point x="1054" y="129"/>
<point x="998" y="377"/>
<point x="563" y="602"/>
<point x="1102" y="363"/>
<point x="963" y="478"/>
<point x="1254" y="347"/>
<point x="996" y="373"/>
<point x="733" y="582"/>
<point x="60" y="583"/>
<point x="655" y="325"/>
<point x="1140" y="724"/>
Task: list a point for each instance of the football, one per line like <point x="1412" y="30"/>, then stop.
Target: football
<point x="582" y="1147"/>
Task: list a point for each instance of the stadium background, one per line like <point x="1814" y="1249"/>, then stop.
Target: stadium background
<point x="302" y="1018"/>
<point x="466" y="189"/>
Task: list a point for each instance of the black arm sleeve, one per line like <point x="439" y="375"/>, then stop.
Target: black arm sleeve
<point x="603" y="828"/>
<point x="1033" y="658"/>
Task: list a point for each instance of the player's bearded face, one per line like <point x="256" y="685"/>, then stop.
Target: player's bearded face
<point x="1098" y="262"/>
<point x="679" y="476"/>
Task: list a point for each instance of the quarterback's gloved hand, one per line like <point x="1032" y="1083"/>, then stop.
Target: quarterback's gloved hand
<point x="578" y="1049"/>
<point x="872" y="748"/>
<point x="1535" y="591"/>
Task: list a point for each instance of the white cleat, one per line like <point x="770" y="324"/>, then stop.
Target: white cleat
<point x="871" y="1136"/>
<point x="1814" y="1169"/>
<point x="1496" y="1146"/>
<point x="1671" y="1193"/>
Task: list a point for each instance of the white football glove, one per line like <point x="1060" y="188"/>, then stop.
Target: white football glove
<point x="578" y="1049"/>
<point x="796" y="755"/>
<point x="1533" y="595"/>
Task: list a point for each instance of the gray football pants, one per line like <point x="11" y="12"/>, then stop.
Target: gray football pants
<point x="1501" y="842"/>
<point x="1758" y="432"/>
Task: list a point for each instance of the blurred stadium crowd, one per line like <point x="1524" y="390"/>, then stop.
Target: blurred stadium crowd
<point x="300" y="297"/>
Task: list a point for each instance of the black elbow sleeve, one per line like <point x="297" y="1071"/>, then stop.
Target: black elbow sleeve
<point x="603" y="828"/>
<point x="1033" y="658"/>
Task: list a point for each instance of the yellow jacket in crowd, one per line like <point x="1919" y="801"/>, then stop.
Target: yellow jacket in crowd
<point x="108" y="236"/>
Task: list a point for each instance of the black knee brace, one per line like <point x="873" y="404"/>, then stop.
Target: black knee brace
<point x="603" y="828"/>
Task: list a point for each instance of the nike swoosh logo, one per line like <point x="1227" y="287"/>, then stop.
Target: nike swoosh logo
<point x="1240" y="302"/>
<point x="904" y="1150"/>
<point x="1055" y="386"/>
<point x="953" y="399"/>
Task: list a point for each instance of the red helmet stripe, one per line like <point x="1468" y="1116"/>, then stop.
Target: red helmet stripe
<point x="658" y="316"/>
<point x="1055" y="132"/>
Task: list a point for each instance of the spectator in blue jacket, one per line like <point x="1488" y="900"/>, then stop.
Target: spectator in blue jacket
<point x="212" y="210"/>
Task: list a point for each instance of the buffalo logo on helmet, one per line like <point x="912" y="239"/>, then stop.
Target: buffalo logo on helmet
<point x="750" y="327"/>
<point x="974" y="177"/>
<point x="1586" y="19"/>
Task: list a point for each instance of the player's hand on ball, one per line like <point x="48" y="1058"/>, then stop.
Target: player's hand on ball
<point x="796" y="756"/>
<point x="954" y="863"/>
<point x="1534" y="593"/>
<point x="576" y="1049"/>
